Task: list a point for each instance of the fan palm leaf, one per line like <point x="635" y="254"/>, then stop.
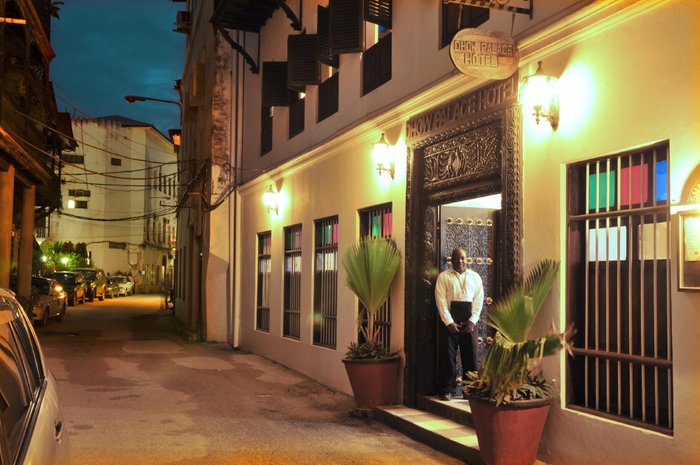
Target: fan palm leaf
<point x="370" y="267"/>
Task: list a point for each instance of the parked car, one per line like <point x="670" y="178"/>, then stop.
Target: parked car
<point x="96" y="282"/>
<point x="48" y="300"/>
<point x="126" y="284"/>
<point x="73" y="284"/>
<point x="112" y="288"/>
<point x="32" y="425"/>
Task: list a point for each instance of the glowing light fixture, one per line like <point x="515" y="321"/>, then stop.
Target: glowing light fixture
<point x="44" y="258"/>
<point x="71" y="203"/>
<point x="64" y="260"/>
<point x="383" y="157"/>
<point x="13" y="20"/>
<point x="271" y="200"/>
<point x="541" y="95"/>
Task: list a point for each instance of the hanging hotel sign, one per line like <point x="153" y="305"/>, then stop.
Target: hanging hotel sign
<point x="484" y="54"/>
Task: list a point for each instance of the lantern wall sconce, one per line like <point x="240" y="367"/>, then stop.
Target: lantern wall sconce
<point x="271" y="200"/>
<point x="383" y="157"/>
<point x="541" y="95"/>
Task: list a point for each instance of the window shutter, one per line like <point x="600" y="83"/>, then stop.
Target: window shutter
<point x="323" y="43"/>
<point x="275" y="91"/>
<point x="302" y="67"/>
<point x="346" y="26"/>
<point x="378" y="12"/>
<point x="456" y="17"/>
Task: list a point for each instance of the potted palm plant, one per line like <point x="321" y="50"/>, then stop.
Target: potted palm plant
<point x="370" y="267"/>
<point x="508" y="396"/>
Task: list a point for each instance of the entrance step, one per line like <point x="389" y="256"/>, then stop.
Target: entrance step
<point x="440" y="433"/>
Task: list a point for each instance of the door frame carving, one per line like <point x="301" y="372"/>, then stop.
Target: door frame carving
<point x="456" y="162"/>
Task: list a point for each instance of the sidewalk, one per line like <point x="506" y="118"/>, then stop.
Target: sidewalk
<point x="134" y="392"/>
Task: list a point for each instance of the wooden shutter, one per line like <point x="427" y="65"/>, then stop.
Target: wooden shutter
<point x="376" y="65"/>
<point x="328" y="97"/>
<point x="378" y="12"/>
<point x="302" y="67"/>
<point x="275" y="91"/>
<point x="456" y="17"/>
<point x="347" y="31"/>
<point x="323" y="43"/>
<point x="265" y="131"/>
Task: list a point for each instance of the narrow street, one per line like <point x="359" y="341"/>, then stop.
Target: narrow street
<point x="134" y="392"/>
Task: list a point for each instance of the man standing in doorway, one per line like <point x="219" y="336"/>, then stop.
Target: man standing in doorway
<point x="459" y="296"/>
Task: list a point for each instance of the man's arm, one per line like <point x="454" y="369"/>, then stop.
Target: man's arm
<point x="441" y="299"/>
<point x="477" y="300"/>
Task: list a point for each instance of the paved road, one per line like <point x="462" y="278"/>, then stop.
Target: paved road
<point x="135" y="393"/>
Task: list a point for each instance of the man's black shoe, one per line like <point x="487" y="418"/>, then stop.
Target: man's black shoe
<point x="445" y="396"/>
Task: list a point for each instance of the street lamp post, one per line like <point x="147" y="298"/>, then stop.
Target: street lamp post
<point x="139" y="98"/>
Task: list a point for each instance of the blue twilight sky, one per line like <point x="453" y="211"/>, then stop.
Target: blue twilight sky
<point x="106" y="49"/>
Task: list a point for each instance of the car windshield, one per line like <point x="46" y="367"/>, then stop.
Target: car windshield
<point x="88" y="274"/>
<point x="66" y="278"/>
<point x="41" y="287"/>
<point x="120" y="279"/>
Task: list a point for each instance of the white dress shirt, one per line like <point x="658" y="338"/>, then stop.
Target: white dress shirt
<point x="465" y="287"/>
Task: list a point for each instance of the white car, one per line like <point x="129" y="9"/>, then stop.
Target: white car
<point x="32" y="425"/>
<point x="126" y="284"/>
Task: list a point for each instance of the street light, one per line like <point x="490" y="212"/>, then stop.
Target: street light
<point x="139" y="98"/>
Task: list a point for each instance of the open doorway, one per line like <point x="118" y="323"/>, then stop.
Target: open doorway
<point x="472" y="225"/>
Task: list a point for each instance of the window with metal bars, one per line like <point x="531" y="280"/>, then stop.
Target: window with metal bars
<point x="292" y="282"/>
<point x="618" y="287"/>
<point x="262" y="316"/>
<point x="376" y="222"/>
<point x="326" y="282"/>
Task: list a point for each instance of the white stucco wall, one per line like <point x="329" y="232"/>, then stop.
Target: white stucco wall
<point x="340" y="181"/>
<point x="628" y="84"/>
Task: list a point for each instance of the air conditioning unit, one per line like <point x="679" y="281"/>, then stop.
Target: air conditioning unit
<point x="184" y="22"/>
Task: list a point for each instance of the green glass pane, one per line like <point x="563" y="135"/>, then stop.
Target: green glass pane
<point x="606" y="183"/>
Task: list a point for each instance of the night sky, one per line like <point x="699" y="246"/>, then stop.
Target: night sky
<point x="106" y="49"/>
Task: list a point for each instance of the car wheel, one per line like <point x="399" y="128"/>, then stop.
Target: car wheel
<point x="44" y="317"/>
<point x="62" y="315"/>
<point x="102" y="296"/>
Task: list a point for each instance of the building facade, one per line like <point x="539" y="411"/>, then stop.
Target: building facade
<point x="119" y="192"/>
<point x="32" y="135"/>
<point x="609" y="188"/>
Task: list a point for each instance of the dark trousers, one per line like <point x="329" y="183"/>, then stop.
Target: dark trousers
<point x="449" y="344"/>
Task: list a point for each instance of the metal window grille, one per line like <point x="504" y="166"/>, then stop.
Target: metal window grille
<point x="618" y="287"/>
<point x="292" y="282"/>
<point x="326" y="282"/>
<point x="262" y="317"/>
<point x="376" y="222"/>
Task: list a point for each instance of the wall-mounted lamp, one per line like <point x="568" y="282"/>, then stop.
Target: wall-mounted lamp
<point x="383" y="157"/>
<point x="540" y="93"/>
<point x="271" y="200"/>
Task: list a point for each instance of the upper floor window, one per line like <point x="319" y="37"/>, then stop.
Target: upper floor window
<point x="76" y="159"/>
<point x="116" y="161"/>
<point x="619" y="287"/>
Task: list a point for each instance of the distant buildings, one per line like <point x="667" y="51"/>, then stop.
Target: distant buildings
<point x="119" y="190"/>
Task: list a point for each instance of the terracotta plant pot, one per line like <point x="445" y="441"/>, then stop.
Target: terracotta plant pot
<point x="373" y="381"/>
<point x="509" y="434"/>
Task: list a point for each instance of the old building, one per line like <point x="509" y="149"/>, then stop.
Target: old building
<point x="119" y="190"/>
<point x="32" y="135"/>
<point x="286" y="102"/>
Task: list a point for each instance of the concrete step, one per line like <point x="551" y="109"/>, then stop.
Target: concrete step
<point x="457" y="410"/>
<point x="443" y="434"/>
